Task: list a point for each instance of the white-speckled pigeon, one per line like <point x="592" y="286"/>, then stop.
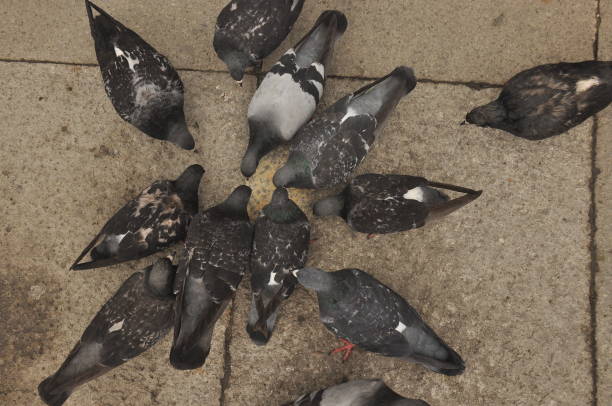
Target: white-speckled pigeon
<point x="381" y="204"/>
<point x="325" y="151"/>
<point x="280" y="246"/>
<point x="155" y="219"/>
<point x="249" y="30"/>
<point x="363" y="312"/>
<point x="548" y="100"/>
<point x="290" y="92"/>
<point x="363" y="392"/>
<point x="129" y="323"/>
<point x="144" y="88"/>
<point x="213" y="261"/>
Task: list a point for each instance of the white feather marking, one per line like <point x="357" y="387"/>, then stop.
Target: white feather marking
<point x="586" y="84"/>
<point x="233" y="7"/>
<point x="349" y="113"/>
<point x="320" y="68"/>
<point x="295" y="2"/>
<point x="131" y="61"/>
<point x="272" y="282"/>
<point x="117" y="326"/>
<point x="401" y="327"/>
<point x="415" y="194"/>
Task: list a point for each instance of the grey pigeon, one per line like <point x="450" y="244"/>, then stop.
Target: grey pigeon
<point x="363" y="392"/>
<point x="249" y="30"/>
<point x="325" y="152"/>
<point x="548" y="100"/>
<point x="280" y="246"/>
<point x="152" y="221"/>
<point x="129" y="323"/>
<point x="381" y="204"/>
<point x="363" y="312"/>
<point x="212" y="263"/>
<point x="290" y="92"/>
<point x="144" y="88"/>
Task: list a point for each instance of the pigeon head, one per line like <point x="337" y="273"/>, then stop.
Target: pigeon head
<point x="237" y="201"/>
<point x="236" y="62"/>
<point x="159" y="278"/>
<point x="315" y="279"/>
<point x="187" y="186"/>
<point x="177" y="133"/>
<point x="260" y="143"/>
<point x="487" y="115"/>
<point x="264" y="311"/>
<point x="295" y="173"/>
<point x="281" y="209"/>
<point x="330" y="206"/>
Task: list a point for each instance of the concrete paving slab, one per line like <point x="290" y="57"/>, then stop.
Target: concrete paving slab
<point x="67" y="163"/>
<point x="480" y="40"/>
<point x="505" y="280"/>
<point x="603" y="197"/>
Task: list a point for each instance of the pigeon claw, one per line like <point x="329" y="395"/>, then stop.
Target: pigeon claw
<point x="347" y="349"/>
<point x="370" y="236"/>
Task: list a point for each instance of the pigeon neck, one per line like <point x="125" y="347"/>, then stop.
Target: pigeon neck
<point x="295" y="173"/>
<point x="490" y="114"/>
<point x="187" y="186"/>
<point x="330" y="206"/>
<point x="159" y="279"/>
<point x="236" y="204"/>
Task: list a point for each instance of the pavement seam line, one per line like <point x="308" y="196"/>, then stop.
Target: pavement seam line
<point x="227" y="356"/>
<point x="475" y="85"/>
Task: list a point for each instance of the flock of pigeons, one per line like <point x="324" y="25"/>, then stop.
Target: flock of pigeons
<point x="221" y="245"/>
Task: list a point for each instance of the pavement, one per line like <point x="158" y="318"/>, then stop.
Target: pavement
<point x="519" y="282"/>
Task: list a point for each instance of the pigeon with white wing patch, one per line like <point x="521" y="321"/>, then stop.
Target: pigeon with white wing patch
<point x="363" y="312"/>
<point x="144" y="88"/>
<point x="363" y="392"/>
<point x="327" y="150"/>
<point x="213" y="261"/>
<point x="290" y="92"/>
<point x="382" y="204"/>
<point x="132" y="321"/>
<point x="249" y="30"/>
<point x="280" y="245"/>
<point x="155" y="219"/>
<point x="548" y="100"/>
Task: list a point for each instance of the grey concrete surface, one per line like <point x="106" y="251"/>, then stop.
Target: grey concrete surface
<point x="67" y="164"/>
<point x="603" y="199"/>
<point x="479" y="40"/>
<point x="505" y="281"/>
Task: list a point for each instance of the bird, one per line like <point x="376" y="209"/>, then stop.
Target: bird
<point x="325" y="151"/>
<point x="152" y="221"/>
<point x="213" y="261"/>
<point x="363" y="312"/>
<point x="381" y="204"/>
<point x="139" y="314"/>
<point x="288" y="95"/>
<point x="144" y="88"/>
<point x="249" y="30"/>
<point x="280" y="245"/>
<point x="361" y="392"/>
<point x="548" y="100"/>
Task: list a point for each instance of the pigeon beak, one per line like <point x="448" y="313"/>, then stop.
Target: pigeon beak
<point x="463" y="122"/>
<point x="239" y="82"/>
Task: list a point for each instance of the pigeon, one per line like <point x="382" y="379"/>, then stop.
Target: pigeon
<point x="363" y="312"/>
<point x="144" y="88"/>
<point x="280" y="245"/>
<point x="362" y="392"/>
<point x="325" y="151"/>
<point x="132" y="321"/>
<point x="213" y="261"/>
<point x="249" y="30"/>
<point x="548" y="100"/>
<point x="155" y="219"/>
<point x="381" y="204"/>
<point x="290" y="92"/>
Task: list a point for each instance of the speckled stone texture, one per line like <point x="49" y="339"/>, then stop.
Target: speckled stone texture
<point x="505" y="280"/>
<point x="67" y="164"/>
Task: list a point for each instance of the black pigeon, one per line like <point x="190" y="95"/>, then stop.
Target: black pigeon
<point x="144" y="88"/>
<point x="363" y="392"/>
<point x="129" y="323"/>
<point x="290" y="92"/>
<point x="548" y="100"/>
<point x="215" y="257"/>
<point x="155" y="219"/>
<point x="249" y="30"/>
<point x="325" y="152"/>
<point x="363" y="312"/>
<point x="381" y="204"/>
<point x="280" y="245"/>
